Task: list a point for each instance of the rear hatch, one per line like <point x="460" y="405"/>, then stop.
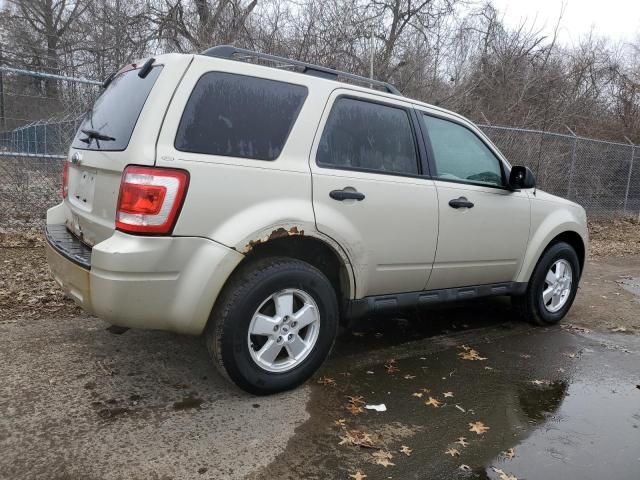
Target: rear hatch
<point x="120" y="129"/>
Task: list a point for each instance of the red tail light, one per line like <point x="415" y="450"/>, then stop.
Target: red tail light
<point x="150" y="199"/>
<point x="65" y="179"/>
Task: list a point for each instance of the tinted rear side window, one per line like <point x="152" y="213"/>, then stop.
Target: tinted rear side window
<point x="116" y="111"/>
<point x="239" y="116"/>
<point x="368" y="136"/>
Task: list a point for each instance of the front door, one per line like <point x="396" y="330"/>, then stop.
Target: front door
<point x="369" y="193"/>
<point x="484" y="226"/>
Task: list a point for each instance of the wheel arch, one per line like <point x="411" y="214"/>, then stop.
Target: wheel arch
<point x="575" y="240"/>
<point x="552" y="226"/>
<point x="313" y="248"/>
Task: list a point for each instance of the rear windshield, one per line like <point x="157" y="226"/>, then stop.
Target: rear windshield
<point x="116" y="111"/>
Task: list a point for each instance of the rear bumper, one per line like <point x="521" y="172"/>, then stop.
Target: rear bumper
<point x="70" y="270"/>
<point x="166" y="283"/>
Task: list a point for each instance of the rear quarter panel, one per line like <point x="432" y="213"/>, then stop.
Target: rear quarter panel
<point x="240" y="202"/>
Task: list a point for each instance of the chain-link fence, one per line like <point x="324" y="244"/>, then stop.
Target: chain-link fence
<point x="31" y="148"/>
<point x="602" y="176"/>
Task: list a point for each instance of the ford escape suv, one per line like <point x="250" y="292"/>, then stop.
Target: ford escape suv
<point x="261" y="200"/>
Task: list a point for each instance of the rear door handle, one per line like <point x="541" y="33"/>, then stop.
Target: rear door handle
<point x="341" y="195"/>
<point x="461" y="202"/>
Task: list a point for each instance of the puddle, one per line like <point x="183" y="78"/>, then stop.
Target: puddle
<point x="631" y="284"/>
<point x="188" y="402"/>
<point x="564" y="415"/>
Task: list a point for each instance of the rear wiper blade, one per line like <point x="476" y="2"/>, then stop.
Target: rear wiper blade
<point x="97" y="135"/>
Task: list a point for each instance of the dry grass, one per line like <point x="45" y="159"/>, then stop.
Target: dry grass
<point x="616" y="237"/>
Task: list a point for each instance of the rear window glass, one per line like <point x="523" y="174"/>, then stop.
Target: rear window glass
<point x="365" y="135"/>
<point x="239" y="116"/>
<point x="116" y="112"/>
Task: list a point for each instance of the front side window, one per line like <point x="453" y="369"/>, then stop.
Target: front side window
<point x="239" y="116"/>
<point x="460" y="155"/>
<point x="368" y="136"/>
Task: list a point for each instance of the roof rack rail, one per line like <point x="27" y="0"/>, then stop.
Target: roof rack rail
<point x="229" y="51"/>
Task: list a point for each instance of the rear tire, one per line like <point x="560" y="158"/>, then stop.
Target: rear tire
<point x="552" y="287"/>
<point x="256" y="335"/>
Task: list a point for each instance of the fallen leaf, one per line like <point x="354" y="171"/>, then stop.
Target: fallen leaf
<point x="341" y="422"/>
<point x="502" y="475"/>
<point x="447" y="394"/>
<point x="356" y="400"/>
<point x="488" y="368"/>
<point x="354" y="409"/>
<point x="382" y="454"/>
<point x="383" y="457"/>
<point x="510" y="453"/>
<point x="357" y="438"/>
<point x="327" y="382"/>
<point x="453" y="452"/>
<point x="478" y="427"/>
<point x="425" y="390"/>
<point x="406" y="450"/>
<point x="409" y="377"/>
<point x="358" y="475"/>
<point x="391" y="366"/>
<point x="463" y="441"/>
<point x="433" y="402"/>
<point x="418" y="394"/>
<point x="470" y="354"/>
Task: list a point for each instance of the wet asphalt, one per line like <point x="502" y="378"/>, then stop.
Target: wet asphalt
<point x="559" y="403"/>
<point x="79" y="401"/>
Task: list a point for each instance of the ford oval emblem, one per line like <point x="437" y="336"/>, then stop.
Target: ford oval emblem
<point x="76" y="158"/>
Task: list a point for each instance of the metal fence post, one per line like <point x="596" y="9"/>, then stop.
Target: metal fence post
<point x="626" y="193"/>
<point x="573" y="161"/>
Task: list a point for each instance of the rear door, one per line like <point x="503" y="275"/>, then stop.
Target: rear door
<point x="484" y="226"/>
<point x="369" y="193"/>
<point x="128" y="115"/>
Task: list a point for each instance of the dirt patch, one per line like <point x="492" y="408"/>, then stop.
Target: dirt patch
<point x="27" y="289"/>
<point x="605" y="301"/>
<point x="614" y="238"/>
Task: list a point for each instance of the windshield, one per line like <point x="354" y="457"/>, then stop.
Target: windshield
<point x="110" y="123"/>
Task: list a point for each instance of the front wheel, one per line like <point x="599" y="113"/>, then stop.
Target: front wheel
<point x="274" y="325"/>
<point x="552" y="287"/>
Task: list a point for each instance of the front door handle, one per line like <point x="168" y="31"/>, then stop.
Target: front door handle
<point x="341" y="195"/>
<point x="461" y="202"/>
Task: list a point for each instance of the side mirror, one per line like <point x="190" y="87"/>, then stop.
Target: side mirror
<point x="521" y="177"/>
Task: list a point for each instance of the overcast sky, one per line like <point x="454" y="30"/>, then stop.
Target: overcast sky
<point x="617" y="19"/>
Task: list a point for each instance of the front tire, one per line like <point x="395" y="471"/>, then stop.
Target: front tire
<point x="552" y="287"/>
<point x="273" y="325"/>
